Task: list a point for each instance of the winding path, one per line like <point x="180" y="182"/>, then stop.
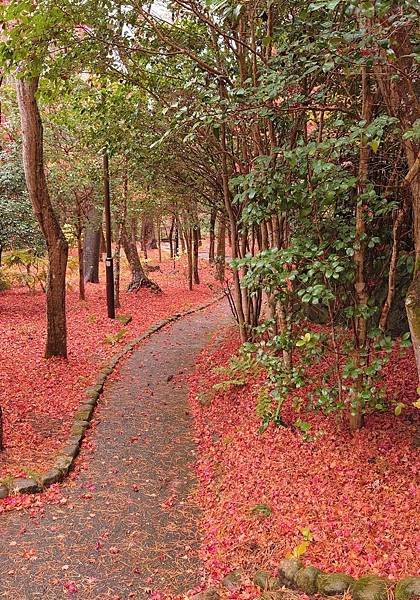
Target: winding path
<point x="127" y="525"/>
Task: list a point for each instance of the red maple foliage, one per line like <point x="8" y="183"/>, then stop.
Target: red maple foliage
<point x="356" y="494"/>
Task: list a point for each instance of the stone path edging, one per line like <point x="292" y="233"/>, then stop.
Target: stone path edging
<point x="294" y="578"/>
<point x="83" y="416"/>
<point x="293" y="574"/>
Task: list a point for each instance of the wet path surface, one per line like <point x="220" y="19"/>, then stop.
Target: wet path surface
<point x="127" y="525"/>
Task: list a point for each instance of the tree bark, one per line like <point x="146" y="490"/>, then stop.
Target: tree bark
<point x="139" y="278"/>
<point x="92" y="245"/>
<point x="82" y="292"/>
<point x="233" y="230"/>
<point x="171" y="238"/>
<point x="196" y="244"/>
<point x="159" y="239"/>
<point x="189" y="243"/>
<point x="212" y="234"/>
<point x="220" y="258"/>
<point x="361" y="294"/>
<point x="392" y="270"/>
<point x="57" y="247"/>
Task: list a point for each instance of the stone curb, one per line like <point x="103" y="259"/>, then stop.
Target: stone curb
<point x="294" y="575"/>
<point x="83" y="415"/>
<point x="293" y="578"/>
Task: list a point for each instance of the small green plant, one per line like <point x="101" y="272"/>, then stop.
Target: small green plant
<point x="223" y="386"/>
<point x="304" y="428"/>
<point x="5" y="283"/>
<point x="27" y="268"/>
<point x="262" y="510"/>
<point x="303" y="546"/>
<point x="32" y="473"/>
<point x="124" y="319"/>
<point x="115" y="338"/>
<point x="239" y="368"/>
<point x="7" y="480"/>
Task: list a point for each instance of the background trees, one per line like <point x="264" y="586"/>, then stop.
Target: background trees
<point x="291" y="129"/>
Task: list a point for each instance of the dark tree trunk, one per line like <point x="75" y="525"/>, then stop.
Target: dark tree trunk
<point x="57" y="247"/>
<point x="196" y="244"/>
<point x="171" y="238"/>
<point x="82" y="293"/>
<point x="220" y="259"/>
<point x="176" y="245"/>
<point x="148" y="234"/>
<point x="92" y="246"/>
<point x="159" y="240"/>
<point x="212" y="234"/>
<point x="139" y="278"/>
<point x="189" y="243"/>
<point x="117" y="258"/>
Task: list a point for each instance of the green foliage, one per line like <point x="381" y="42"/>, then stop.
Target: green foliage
<point x="5" y="282"/>
<point x="19" y="228"/>
<point x="262" y="510"/>
<point x="26" y="268"/>
<point x="115" y="338"/>
<point x="237" y="372"/>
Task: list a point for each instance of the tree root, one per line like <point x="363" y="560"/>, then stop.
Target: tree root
<point x="144" y="282"/>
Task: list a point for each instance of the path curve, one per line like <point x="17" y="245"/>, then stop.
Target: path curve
<point x="127" y="525"/>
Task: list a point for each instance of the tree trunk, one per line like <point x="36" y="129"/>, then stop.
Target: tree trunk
<point x="171" y="238"/>
<point x="361" y="294"/>
<point x="139" y="278"/>
<point x="57" y="247"/>
<point x="159" y="240"/>
<point x="392" y="271"/>
<point x="233" y="229"/>
<point x="196" y="244"/>
<point x="220" y="258"/>
<point x="212" y="234"/>
<point x="117" y="272"/>
<point x="92" y="245"/>
<point x="189" y="243"/>
<point x="82" y="293"/>
<point x="176" y="240"/>
<point x="148" y="234"/>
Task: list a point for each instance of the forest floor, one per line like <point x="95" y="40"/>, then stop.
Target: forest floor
<point x="124" y="525"/>
<point x="261" y="493"/>
<point x="39" y="397"/>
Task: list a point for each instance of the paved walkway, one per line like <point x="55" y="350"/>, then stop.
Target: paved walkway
<point x="127" y="525"/>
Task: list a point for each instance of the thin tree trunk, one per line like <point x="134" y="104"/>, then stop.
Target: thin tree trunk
<point x="57" y="247"/>
<point x="117" y="272"/>
<point x="233" y="224"/>
<point x="117" y="255"/>
<point x="362" y="298"/>
<point x="189" y="243"/>
<point x="392" y="271"/>
<point x="82" y="292"/>
<point x="196" y="244"/>
<point x="212" y="234"/>
<point x="159" y="240"/>
<point x="171" y="240"/>
<point x="220" y="258"/>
